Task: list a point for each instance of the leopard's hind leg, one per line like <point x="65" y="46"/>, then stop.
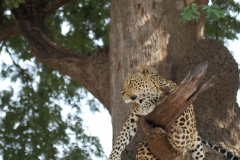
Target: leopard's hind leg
<point x="197" y="151"/>
<point x="144" y="152"/>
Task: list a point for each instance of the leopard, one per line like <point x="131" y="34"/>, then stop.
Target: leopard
<point x="145" y="89"/>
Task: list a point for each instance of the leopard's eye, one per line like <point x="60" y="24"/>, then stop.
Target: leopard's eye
<point x="130" y="82"/>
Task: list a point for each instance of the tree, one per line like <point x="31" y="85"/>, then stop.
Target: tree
<point x="143" y="32"/>
<point x="32" y="123"/>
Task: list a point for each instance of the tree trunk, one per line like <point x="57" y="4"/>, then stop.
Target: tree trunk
<point x="144" y="32"/>
<point x="147" y="32"/>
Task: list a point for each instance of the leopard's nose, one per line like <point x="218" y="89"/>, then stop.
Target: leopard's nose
<point x="133" y="97"/>
<point x="122" y="92"/>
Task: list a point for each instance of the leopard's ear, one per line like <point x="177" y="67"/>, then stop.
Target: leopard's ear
<point x="143" y="70"/>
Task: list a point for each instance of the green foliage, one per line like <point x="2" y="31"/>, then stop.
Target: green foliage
<point x="189" y="12"/>
<point x="224" y="28"/>
<point x="13" y="3"/>
<point x="87" y="22"/>
<point x="32" y="125"/>
<point x="221" y="18"/>
<point x="212" y="12"/>
<point x="32" y="122"/>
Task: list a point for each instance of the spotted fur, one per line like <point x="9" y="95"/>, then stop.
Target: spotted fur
<point x="222" y="150"/>
<point x="126" y="135"/>
<point x="143" y="149"/>
<point x="145" y="89"/>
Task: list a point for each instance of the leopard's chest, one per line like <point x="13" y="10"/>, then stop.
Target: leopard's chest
<point x="182" y="132"/>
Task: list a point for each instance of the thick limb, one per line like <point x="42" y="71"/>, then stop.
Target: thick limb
<point x="144" y="152"/>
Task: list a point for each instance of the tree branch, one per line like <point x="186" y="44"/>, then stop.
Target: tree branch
<point x="1" y="11"/>
<point x="92" y="72"/>
<point x="53" y="5"/>
<point x="8" y="31"/>
<point x="168" y="109"/>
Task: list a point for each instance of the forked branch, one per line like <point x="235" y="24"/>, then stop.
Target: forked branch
<point x="91" y="71"/>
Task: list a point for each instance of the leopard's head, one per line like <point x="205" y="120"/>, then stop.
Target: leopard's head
<point x="137" y="86"/>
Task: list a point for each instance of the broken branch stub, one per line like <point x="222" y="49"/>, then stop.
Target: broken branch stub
<point x="174" y="103"/>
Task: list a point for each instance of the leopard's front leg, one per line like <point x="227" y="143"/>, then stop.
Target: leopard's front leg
<point x="128" y="132"/>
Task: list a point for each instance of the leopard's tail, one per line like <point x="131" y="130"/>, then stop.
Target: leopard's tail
<point x="222" y="150"/>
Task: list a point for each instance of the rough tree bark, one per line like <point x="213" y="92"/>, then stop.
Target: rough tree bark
<point x="144" y="32"/>
<point x="218" y="114"/>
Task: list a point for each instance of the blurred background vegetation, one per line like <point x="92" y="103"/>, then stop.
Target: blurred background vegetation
<point x="31" y="123"/>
